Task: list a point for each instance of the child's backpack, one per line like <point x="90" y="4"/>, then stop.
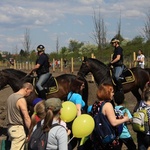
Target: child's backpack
<point x="103" y="132"/>
<point x="140" y="120"/>
<point x="38" y="140"/>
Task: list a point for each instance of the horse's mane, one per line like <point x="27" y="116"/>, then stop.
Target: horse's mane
<point x="98" y="63"/>
<point x="15" y="72"/>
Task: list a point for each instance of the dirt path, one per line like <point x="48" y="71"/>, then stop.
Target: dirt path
<point x="130" y="103"/>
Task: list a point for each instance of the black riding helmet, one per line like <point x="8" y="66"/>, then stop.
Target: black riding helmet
<point x="40" y="48"/>
<point x="113" y="40"/>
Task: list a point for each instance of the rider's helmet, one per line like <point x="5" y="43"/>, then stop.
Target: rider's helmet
<point x="114" y="40"/>
<point x="40" y="48"/>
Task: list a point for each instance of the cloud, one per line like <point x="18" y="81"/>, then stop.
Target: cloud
<point x="67" y="18"/>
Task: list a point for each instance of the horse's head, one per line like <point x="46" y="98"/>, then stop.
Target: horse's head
<point x="3" y="80"/>
<point x="99" y="70"/>
<point x="11" y="78"/>
<point x="85" y="68"/>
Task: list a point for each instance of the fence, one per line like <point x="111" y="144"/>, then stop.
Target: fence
<point x="69" y="66"/>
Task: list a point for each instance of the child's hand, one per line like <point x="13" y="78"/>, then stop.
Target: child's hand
<point x="68" y="131"/>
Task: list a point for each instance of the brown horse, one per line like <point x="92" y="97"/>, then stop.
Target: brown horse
<point x="101" y="74"/>
<point x="15" y="78"/>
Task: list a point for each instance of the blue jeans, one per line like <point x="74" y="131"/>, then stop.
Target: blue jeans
<point x="118" y="71"/>
<point x="42" y="79"/>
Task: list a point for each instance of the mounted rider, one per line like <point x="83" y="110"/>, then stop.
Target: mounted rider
<point x="42" y="70"/>
<point x="117" y="63"/>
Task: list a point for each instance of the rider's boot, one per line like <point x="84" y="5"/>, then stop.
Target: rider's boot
<point x="42" y="94"/>
<point x="119" y="86"/>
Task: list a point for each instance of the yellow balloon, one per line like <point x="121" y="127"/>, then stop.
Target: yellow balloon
<point x="68" y="111"/>
<point x="82" y="126"/>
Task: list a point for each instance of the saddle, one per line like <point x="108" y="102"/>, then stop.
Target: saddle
<point x="127" y="76"/>
<point x="50" y="86"/>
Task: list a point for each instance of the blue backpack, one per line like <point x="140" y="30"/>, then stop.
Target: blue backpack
<point x="103" y="132"/>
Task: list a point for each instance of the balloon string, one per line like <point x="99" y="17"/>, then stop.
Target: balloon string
<point x="70" y="140"/>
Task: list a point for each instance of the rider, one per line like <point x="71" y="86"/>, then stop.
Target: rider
<point x="117" y="62"/>
<point x="42" y="70"/>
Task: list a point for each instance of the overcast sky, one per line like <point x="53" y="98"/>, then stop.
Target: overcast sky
<point x="66" y="19"/>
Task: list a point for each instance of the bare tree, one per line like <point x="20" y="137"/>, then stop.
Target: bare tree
<point x="57" y="45"/>
<point x="118" y="35"/>
<point x="99" y="33"/>
<point x="147" y="27"/>
<point x="27" y="41"/>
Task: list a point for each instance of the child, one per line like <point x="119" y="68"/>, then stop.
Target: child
<point x="143" y="140"/>
<point x="125" y="136"/>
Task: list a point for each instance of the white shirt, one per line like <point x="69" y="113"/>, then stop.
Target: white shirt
<point x="141" y="57"/>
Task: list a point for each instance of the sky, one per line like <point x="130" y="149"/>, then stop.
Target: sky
<point x="47" y="20"/>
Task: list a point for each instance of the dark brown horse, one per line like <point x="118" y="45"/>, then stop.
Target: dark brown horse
<point x="15" y="78"/>
<point x="101" y="74"/>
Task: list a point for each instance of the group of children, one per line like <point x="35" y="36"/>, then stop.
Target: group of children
<point x="143" y="140"/>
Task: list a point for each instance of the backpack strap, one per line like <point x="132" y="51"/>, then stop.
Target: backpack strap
<point x="70" y="95"/>
<point x="39" y="124"/>
<point x="122" y="108"/>
<point x="101" y="106"/>
<point x="55" y="124"/>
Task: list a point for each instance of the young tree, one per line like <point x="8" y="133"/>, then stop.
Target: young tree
<point x="118" y="35"/>
<point x="27" y="41"/>
<point x="99" y="33"/>
<point x="147" y="27"/>
<point x="75" y="45"/>
<point x="57" y="45"/>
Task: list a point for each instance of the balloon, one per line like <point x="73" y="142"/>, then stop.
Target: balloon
<point x="68" y="111"/>
<point x="82" y="126"/>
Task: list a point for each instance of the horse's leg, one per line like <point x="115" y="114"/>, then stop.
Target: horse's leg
<point x="136" y="93"/>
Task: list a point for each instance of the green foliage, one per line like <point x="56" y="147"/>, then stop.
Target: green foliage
<point x="75" y="45"/>
<point x="78" y="50"/>
<point x="33" y="55"/>
<point x="23" y="53"/>
<point x="1" y="57"/>
<point x="63" y="52"/>
<point x="53" y="55"/>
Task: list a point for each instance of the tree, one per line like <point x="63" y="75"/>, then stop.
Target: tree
<point x="64" y="51"/>
<point x="27" y="41"/>
<point x="99" y="33"/>
<point x="1" y="57"/>
<point x="138" y="40"/>
<point x="147" y="27"/>
<point x="118" y="35"/>
<point x="33" y="55"/>
<point x="57" y="45"/>
<point x="75" y="45"/>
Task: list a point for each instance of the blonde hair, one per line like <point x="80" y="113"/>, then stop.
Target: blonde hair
<point x="39" y="110"/>
<point x="27" y="85"/>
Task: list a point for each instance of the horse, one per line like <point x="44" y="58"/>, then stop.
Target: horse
<point x="14" y="78"/>
<point x="102" y="74"/>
